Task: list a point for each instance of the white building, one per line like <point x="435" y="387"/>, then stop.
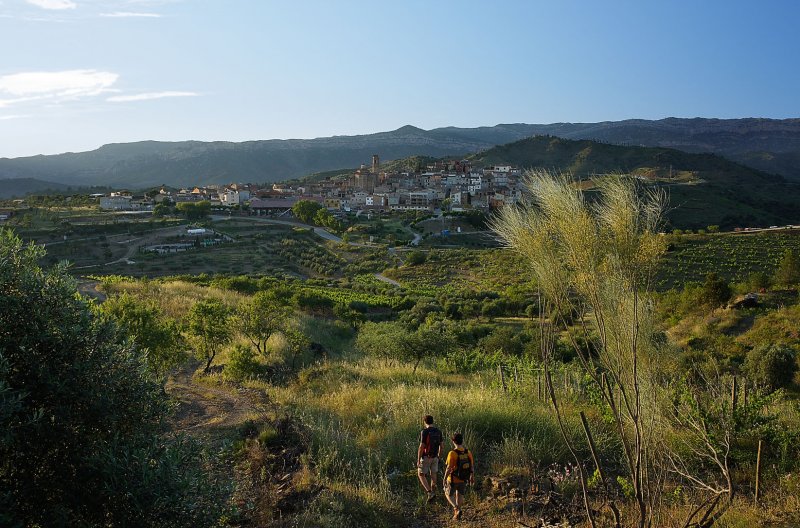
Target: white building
<point x="116" y="202"/>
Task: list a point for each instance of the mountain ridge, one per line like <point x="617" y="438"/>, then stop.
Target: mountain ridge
<point x="766" y="144"/>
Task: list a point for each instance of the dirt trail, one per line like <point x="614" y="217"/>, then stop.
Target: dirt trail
<point x="89" y="288"/>
<point x="212" y="411"/>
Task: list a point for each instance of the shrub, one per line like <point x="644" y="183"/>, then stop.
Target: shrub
<point x="771" y="366"/>
<point x="715" y="291"/>
<point x="80" y="416"/>
<point x="415" y="258"/>
<point x="788" y="272"/>
<point x="243" y="364"/>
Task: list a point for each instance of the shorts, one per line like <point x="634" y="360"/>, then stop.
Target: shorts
<point x="453" y="487"/>
<point x="428" y="466"/>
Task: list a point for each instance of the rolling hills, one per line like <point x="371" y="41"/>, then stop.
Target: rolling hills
<point x="703" y="189"/>
<point x="767" y="144"/>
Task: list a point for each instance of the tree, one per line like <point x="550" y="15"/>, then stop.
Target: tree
<point x="395" y="341"/>
<point x="324" y="218"/>
<point x="80" y="417"/>
<point x="599" y="258"/>
<point x="305" y="210"/>
<point x="194" y="210"/>
<point x="161" y="210"/>
<point x="158" y="337"/>
<point x="715" y="291"/>
<point x="209" y="329"/>
<point x="261" y="317"/>
<point x="788" y="272"/>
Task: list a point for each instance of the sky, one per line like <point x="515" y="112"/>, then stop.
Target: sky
<point x="77" y="74"/>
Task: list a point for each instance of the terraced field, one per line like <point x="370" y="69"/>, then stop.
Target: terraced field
<point x="734" y="256"/>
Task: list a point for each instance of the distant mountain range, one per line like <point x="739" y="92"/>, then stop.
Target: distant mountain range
<point x="767" y="144"/>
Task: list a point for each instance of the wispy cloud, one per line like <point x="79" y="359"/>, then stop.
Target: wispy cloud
<point x="54" y="86"/>
<point x="13" y="116"/>
<point x="149" y="96"/>
<point x="128" y="14"/>
<point x="53" y="4"/>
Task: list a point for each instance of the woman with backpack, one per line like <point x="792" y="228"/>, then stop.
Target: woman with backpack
<point x="460" y="470"/>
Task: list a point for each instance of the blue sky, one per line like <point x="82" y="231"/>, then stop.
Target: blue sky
<point x="75" y="74"/>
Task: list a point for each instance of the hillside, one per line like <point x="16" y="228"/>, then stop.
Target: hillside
<point x="19" y="187"/>
<point x="152" y="163"/>
<point x="704" y="189"/>
<point x="768" y="144"/>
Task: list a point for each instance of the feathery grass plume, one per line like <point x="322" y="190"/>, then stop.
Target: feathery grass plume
<point x="596" y="257"/>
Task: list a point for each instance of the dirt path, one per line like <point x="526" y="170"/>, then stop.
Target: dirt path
<point x="210" y="411"/>
<point x="88" y="288"/>
<point x="387" y="280"/>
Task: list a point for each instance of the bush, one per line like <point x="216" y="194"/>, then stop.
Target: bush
<point x="715" y="291"/>
<point x="243" y="364"/>
<point x="788" y="272"/>
<point x="771" y="366"/>
<point x="80" y="417"/>
<point x="415" y="258"/>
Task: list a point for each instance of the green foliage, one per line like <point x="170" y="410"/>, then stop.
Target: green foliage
<point x="261" y="316"/>
<point x="756" y="282"/>
<point x="194" y="210"/>
<point x="158" y="336"/>
<point x="305" y="210"/>
<point x="626" y="487"/>
<point x="311" y="256"/>
<point x="243" y="364"/>
<point x="715" y="291"/>
<point x="506" y="339"/>
<point x="788" y="272"/>
<point x="80" y="416"/>
<point x="415" y="258"/>
<point x="771" y="367"/>
<point x="208" y="328"/>
<point x="161" y="210"/>
<point x="395" y="341"/>
<point x="732" y="256"/>
<point x="324" y="218"/>
<point x="312" y="301"/>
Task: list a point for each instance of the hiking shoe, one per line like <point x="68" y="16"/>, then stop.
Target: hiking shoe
<point x="431" y="497"/>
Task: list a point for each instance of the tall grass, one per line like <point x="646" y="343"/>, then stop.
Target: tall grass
<point x="364" y="419"/>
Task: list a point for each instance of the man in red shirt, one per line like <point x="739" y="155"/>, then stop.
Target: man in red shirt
<point x="428" y="453"/>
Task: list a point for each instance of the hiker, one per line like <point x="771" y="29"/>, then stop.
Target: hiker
<point x="428" y="453"/>
<point x="459" y="470"/>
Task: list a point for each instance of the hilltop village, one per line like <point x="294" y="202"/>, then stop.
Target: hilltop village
<point x="452" y="184"/>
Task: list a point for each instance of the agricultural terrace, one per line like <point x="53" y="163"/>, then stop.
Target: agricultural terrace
<point x="734" y="256"/>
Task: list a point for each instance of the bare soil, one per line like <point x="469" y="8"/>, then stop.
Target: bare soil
<point x="211" y="411"/>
